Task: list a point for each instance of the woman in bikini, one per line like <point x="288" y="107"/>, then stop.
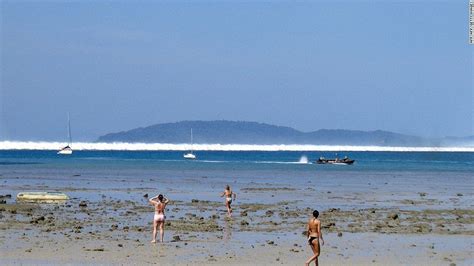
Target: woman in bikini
<point x="159" y="202"/>
<point x="228" y="199"/>
<point x="314" y="235"/>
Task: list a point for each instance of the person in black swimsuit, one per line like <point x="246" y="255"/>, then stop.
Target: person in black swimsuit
<point x="311" y="238"/>
<point x="314" y="235"/>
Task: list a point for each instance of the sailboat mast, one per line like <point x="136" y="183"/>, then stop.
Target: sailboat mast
<point x="69" y="129"/>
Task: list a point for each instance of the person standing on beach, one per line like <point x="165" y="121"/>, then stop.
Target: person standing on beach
<point x="159" y="202"/>
<point x="314" y="234"/>
<point x="228" y="199"/>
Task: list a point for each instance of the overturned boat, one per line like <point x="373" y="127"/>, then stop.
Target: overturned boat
<point x="336" y="161"/>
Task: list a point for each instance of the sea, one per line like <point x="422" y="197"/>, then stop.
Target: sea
<point x="376" y="179"/>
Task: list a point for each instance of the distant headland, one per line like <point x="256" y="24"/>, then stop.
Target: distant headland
<point x="243" y="132"/>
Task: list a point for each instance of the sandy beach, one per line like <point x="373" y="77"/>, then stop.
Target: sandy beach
<point x="361" y="110"/>
<point x="107" y="229"/>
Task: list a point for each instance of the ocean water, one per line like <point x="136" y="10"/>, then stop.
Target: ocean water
<point x="245" y="160"/>
<point x="381" y="179"/>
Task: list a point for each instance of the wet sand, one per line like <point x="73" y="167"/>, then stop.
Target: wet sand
<point x="267" y="227"/>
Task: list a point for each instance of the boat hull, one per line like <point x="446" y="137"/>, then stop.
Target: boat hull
<point x="41" y="196"/>
<point x="335" y="162"/>
<point x="65" y="151"/>
<point x="189" y="156"/>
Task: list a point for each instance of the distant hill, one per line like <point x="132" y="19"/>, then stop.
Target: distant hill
<point x="240" y="132"/>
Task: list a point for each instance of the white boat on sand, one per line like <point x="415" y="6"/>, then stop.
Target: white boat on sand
<point x="41" y="195"/>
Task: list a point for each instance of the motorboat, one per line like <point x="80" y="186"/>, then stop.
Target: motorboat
<point x="336" y="161"/>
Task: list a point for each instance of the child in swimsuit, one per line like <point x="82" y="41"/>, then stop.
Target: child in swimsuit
<point x="159" y="202"/>
<point x="228" y="199"/>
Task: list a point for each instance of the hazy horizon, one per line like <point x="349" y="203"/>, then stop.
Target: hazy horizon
<point x="403" y="67"/>
<point x="64" y="139"/>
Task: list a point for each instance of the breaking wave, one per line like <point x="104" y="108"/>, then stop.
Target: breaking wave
<point x="41" y="145"/>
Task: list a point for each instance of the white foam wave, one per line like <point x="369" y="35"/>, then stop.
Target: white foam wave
<point x="41" y="145"/>
<point x="303" y="159"/>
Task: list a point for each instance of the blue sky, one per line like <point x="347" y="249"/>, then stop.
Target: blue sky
<point x="403" y="66"/>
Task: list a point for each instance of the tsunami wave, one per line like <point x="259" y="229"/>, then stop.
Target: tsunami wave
<point x="84" y="146"/>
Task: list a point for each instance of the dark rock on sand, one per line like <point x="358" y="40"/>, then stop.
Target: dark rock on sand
<point x="339" y="234"/>
<point x="329" y="225"/>
<point x="146" y="195"/>
<point x="392" y="216"/>
<point x="176" y="238"/>
<point x="244" y="223"/>
<point x="37" y="220"/>
<point x="3" y="202"/>
<point x="83" y="204"/>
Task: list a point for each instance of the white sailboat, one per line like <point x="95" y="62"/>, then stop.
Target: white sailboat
<point x="190" y="155"/>
<point x="67" y="150"/>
